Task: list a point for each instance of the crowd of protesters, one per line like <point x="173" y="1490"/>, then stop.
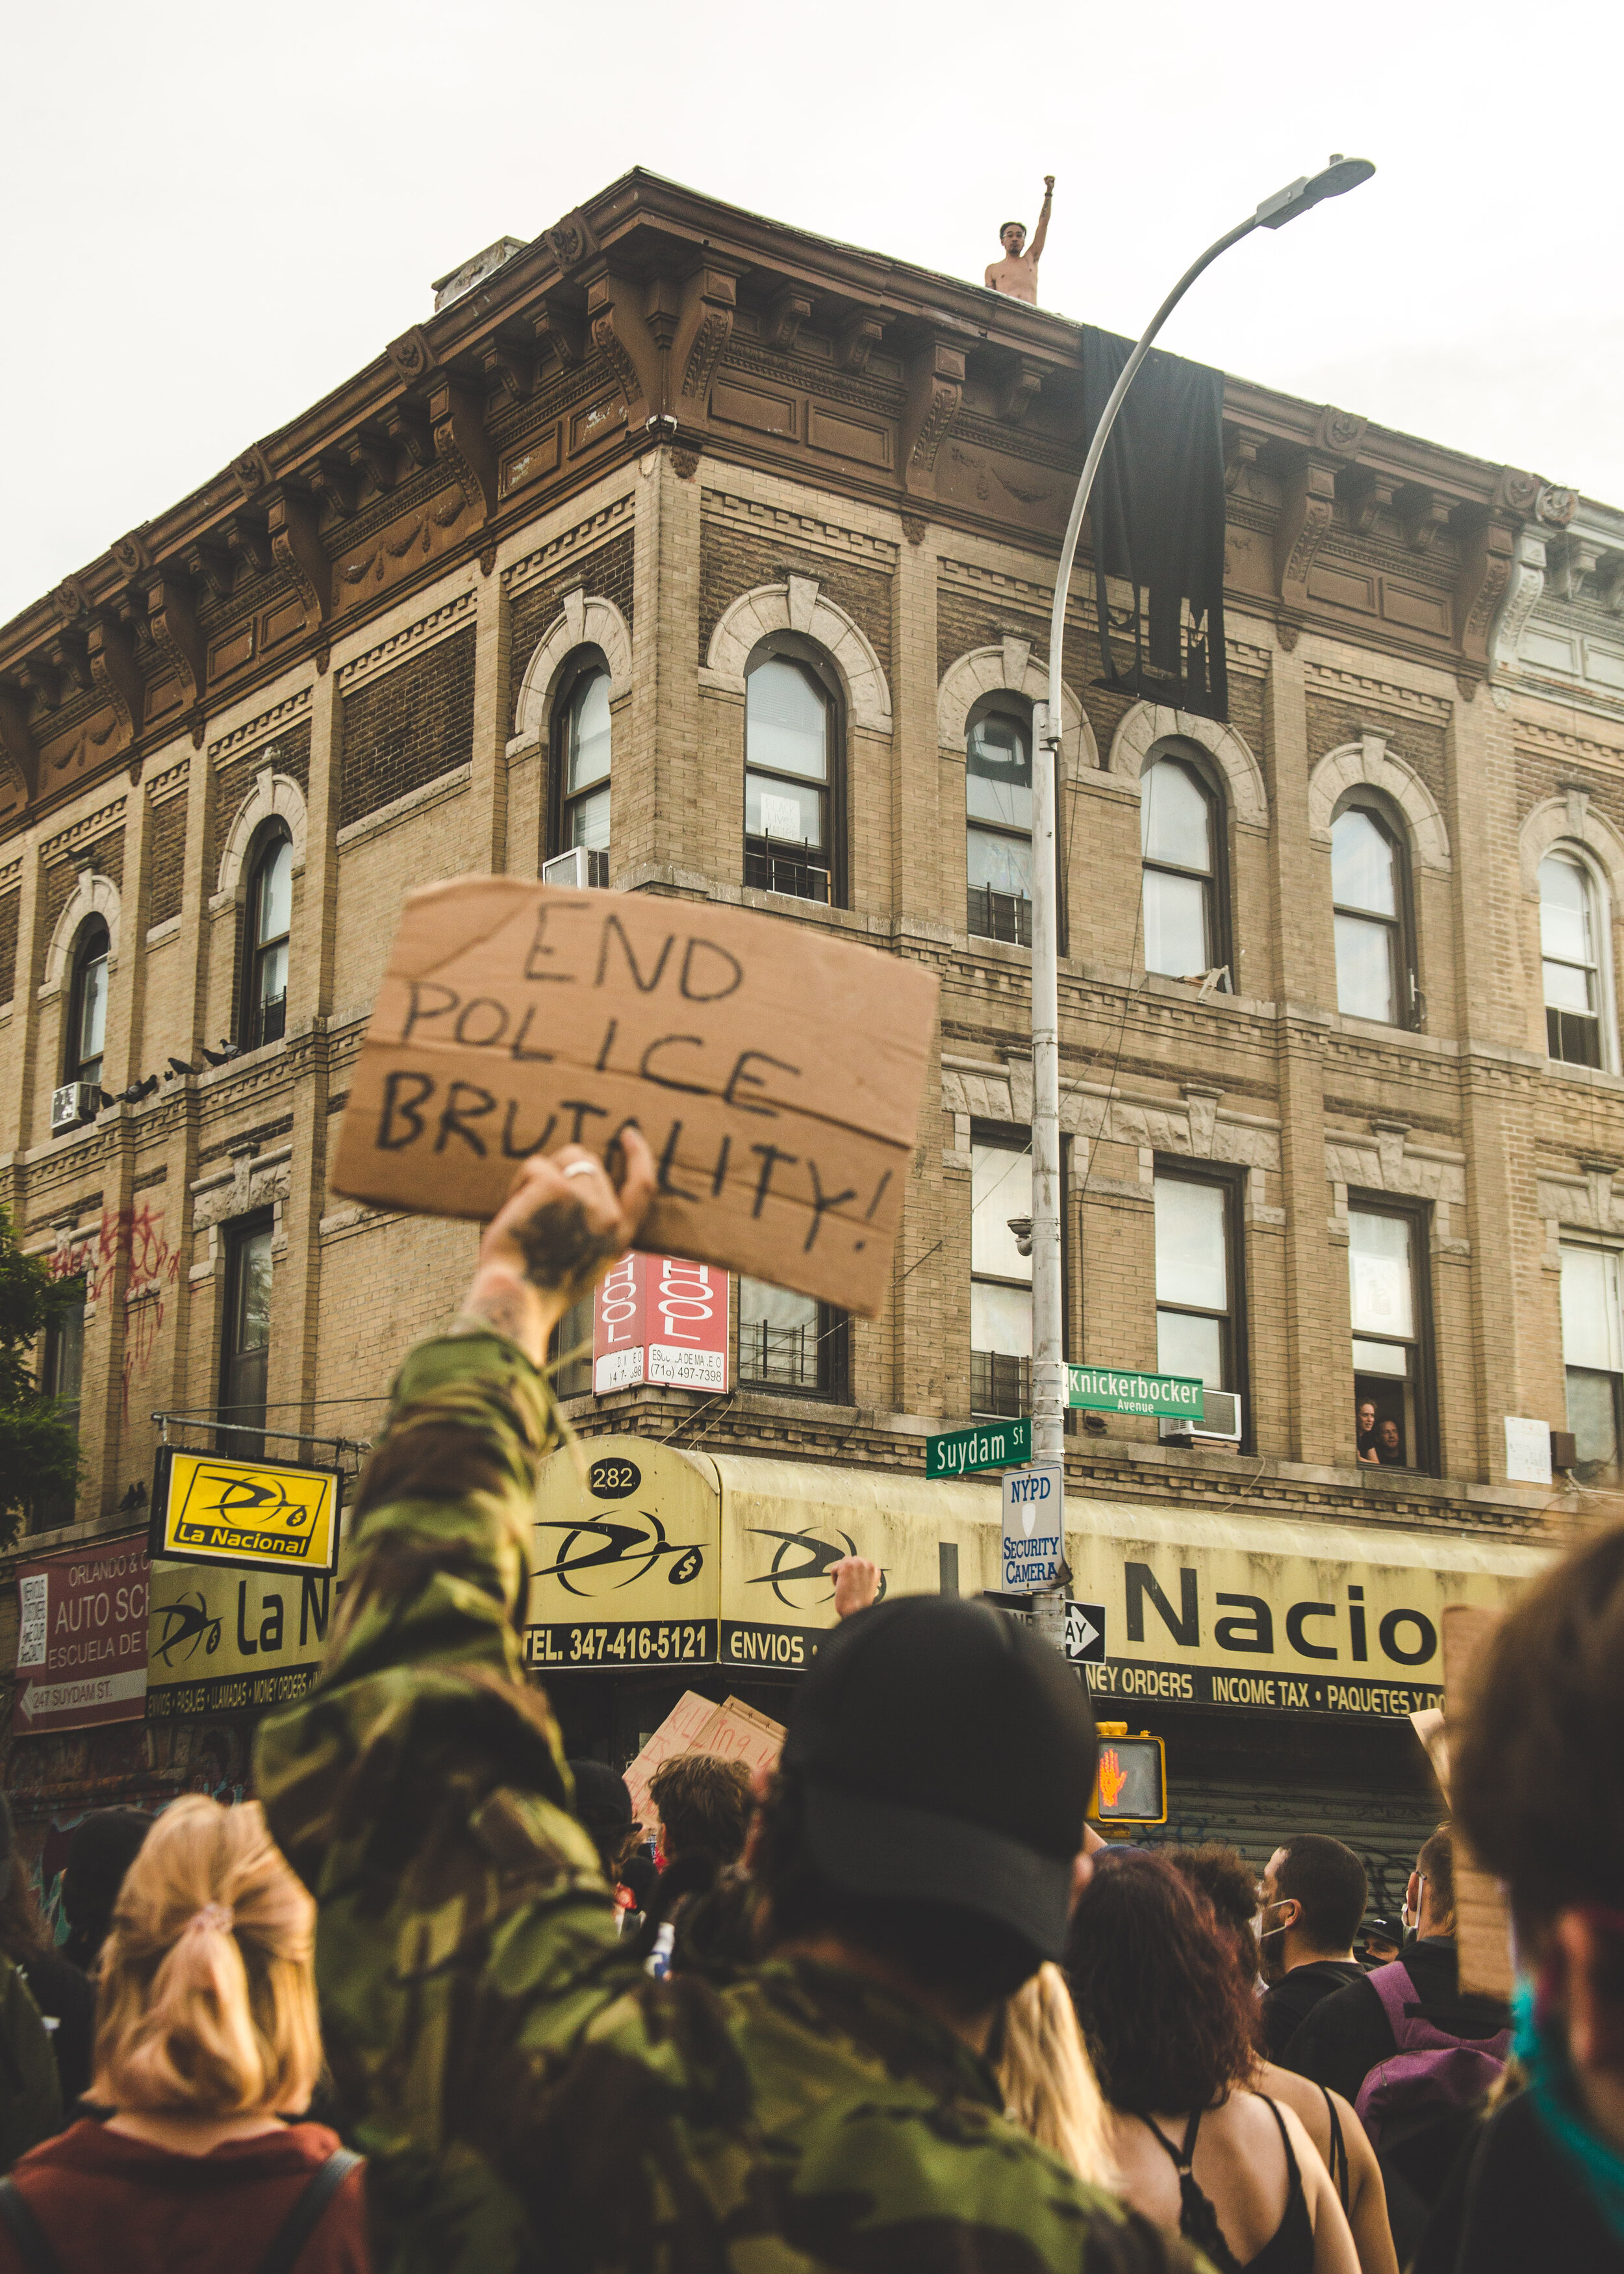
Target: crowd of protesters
<point x="892" y="2006"/>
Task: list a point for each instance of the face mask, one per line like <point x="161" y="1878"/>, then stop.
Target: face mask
<point x="1271" y="1960"/>
<point x="1539" y="2044"/>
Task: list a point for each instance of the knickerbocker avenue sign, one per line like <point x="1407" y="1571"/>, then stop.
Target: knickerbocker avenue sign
<point x="1104" y="1389"/>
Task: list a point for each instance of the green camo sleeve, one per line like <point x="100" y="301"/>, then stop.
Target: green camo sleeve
<point x="419" y="1789"/>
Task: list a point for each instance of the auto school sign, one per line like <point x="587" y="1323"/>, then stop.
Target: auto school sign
<point x="81" y="1640"/>
<point x="666" y="1558"/>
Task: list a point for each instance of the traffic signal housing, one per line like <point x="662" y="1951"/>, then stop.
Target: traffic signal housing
<point x="1131" y="1785"/>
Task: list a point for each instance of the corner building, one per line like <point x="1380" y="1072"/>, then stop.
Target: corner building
<point x="723" y="554"/>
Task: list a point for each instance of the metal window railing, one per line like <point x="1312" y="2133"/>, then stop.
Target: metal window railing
<point x="768" y="871"/>
<point x="270" y="1021"/>
<point x="1000" y="1384"/>
<point x="784" y="1356"/>
<point x="999" y="915"/>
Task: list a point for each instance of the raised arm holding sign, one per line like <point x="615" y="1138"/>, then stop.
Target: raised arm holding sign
<point x="775" y="1073"/>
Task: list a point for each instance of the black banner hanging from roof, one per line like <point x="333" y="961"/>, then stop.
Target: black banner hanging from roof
<point x="1157" y="519"/>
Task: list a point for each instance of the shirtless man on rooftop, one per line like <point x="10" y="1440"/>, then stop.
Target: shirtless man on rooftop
<point x="1016" y="274"/>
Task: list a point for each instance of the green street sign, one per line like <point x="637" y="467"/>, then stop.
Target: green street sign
<point x="988" y="1445"/>
<point x="1106" y="1389"/>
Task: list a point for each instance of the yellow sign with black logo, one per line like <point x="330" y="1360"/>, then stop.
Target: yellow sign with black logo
<point x="624" y="1571"/>
<point x="258" y="1515"/>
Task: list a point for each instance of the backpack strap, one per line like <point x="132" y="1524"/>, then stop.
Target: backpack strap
<point x="301" y="2221"/>
<point x="1393" y="1985"/>
<point x="25" y="2232"/>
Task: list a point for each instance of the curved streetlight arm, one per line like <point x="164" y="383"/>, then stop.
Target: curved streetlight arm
<point x="1049" y="1378"/>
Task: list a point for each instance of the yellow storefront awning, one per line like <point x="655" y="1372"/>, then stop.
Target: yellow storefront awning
<point x="665" y="1557"/>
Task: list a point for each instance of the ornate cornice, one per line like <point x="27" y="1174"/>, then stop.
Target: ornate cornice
<point x="1353" y="687"/>
<point x="553" y="558"/>
<point x="778" y="524"/>
<point x="645" y="280"/>
<point x="86" y="830"/>
<point x="428" y="631"/>
<point x="282" y="715"/>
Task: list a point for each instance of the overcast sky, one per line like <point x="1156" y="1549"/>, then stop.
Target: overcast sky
<point x="215" y="213"/>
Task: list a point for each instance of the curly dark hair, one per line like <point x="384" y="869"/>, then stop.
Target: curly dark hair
<point x="975" y="1962"/>
<point x="1223" y="1880"/>
<point x="704" y="1806"/>
<point x="1166" y="2017"/>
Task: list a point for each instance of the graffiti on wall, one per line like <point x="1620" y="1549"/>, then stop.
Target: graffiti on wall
<point x="130" y="1239"/>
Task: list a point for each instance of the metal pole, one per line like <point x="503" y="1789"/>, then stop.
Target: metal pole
<point x="1049" y="1381"/>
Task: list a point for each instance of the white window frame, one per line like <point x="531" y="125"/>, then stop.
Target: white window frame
<point x="1575" y="850"/>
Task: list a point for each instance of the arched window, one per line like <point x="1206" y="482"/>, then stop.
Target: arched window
<point x="1570" y="951"/>
<point x="1180" y="845"/>
<point x="86" y="1032"/>
<point x="1369" y="894"/>
<point x="998" y="826"/>
<point x="268" y="919"/>
<point x="792" y="826"/>
<point x="581" y="770"/>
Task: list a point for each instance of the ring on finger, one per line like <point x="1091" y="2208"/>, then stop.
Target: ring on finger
<point x="580" y="1169"/>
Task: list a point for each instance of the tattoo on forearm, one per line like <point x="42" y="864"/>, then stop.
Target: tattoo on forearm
<point x="561" y="1248"/>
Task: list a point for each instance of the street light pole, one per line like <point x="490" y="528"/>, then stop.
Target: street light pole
<point x="1048" y="1383"/>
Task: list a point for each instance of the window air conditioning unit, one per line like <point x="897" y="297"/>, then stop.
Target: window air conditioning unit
<point x="576" y="869"/>
<point x="1219" y="1421"/>
<point x="74" y="1102"/>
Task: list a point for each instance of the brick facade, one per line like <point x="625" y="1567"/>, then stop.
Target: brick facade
<point x="403" y="729"/>
<point x="1504" y="1152"/>
<point x="168" y="858"/>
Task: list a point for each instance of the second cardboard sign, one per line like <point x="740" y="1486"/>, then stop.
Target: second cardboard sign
<point x="775" y="1072"/>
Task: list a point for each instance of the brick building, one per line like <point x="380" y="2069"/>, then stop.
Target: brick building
<point x="724" y="553"/>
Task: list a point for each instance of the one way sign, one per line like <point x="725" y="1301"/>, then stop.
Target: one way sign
<point x="1084" y="1631"/>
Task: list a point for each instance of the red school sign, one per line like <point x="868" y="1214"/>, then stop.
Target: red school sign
<point x="81" y="1638"/>
<point x="661" y="1318"/>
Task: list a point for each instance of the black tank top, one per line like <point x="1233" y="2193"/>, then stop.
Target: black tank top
<point x="1288" y="2250"/>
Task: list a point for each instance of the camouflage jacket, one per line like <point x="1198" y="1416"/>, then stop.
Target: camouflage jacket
<point x="527" y="2097"/>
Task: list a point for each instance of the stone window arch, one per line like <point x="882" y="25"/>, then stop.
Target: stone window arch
<point x="586" y="620"/>
<point x="274" y="797"/>
<point x="1147" y="724"/>
<point x="93" y="895"/>
<point x="1008" y="669"/>
<point x="1572" y="817"/>
<point x="1371" y="763"/>
<point x="800" y="605"/>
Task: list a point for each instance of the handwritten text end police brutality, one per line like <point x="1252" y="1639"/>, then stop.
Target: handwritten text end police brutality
<point x="775" y="1072"/>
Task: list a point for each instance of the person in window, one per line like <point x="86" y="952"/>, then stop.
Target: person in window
<point x="1366" y="1432"/>
<point x="1389" y="1444"/>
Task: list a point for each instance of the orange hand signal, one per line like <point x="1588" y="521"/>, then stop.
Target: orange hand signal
<point x="1113" y="1776"/>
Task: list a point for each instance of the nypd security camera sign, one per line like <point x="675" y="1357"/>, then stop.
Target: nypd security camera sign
<point x="1033" y="1525"/>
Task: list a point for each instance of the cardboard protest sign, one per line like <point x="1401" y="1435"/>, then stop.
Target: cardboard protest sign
<point x="775" y="1072"/>
<point x="733" y="1732"/>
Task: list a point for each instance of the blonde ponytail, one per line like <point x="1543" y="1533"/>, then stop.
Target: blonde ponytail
<point x="1048" y="2080"/>
<point x="207" y="2001"/>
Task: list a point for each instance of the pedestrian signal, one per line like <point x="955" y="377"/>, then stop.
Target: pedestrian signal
<point x="1132" y="1788"/>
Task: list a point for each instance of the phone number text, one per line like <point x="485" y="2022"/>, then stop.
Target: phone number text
<point x="657" y="1641"/>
